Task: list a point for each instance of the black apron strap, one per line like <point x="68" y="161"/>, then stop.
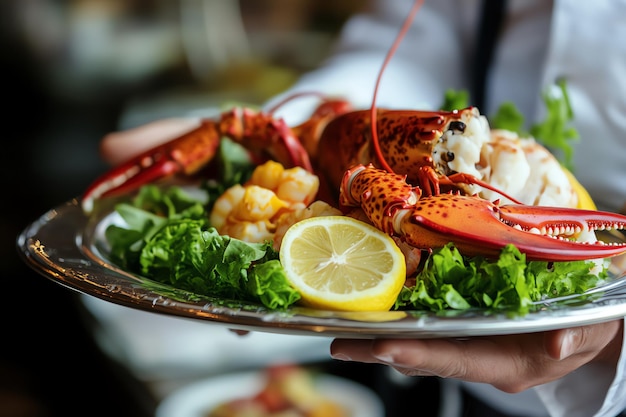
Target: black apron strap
<point x="491" y="21"/>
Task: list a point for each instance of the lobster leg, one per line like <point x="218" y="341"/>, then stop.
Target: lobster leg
<point x="258" y="132"/>
<point x="476" y="226"/>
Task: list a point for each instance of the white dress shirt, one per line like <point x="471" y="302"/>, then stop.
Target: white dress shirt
<point x="540" y="42"/>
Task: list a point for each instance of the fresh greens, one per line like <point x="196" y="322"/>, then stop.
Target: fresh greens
<point x="510" y="284"/>
<point x="191" y="255"/>
<point x="509" y="118"/>
<point x="167" y="238"/>
<point x="232" y="165"/>
<point x="150" y="211"/>
<point x="454" y="100"/>
<point x="554" y="132"/>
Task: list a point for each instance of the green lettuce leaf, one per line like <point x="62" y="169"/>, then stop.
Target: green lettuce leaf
<point x="450" y="281"/>
<point x="191" y="255"/>
<point x="149" y="211"/>
<point x="178" y="247"/>
<point x="233" y="166"/>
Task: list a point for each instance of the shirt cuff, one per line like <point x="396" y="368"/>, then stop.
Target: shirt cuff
<point x="592" y="390"/>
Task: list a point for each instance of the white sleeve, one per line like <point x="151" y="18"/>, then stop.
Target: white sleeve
<point x="598" y="102"/>
<point x="592" y="390"/>
<point x="427" y="62"/>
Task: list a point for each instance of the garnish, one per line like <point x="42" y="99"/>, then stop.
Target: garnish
<point x="510" y="284"/>
<point x="554" y="131"/>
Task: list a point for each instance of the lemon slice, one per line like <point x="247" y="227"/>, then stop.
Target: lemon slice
<point x="342" y="264"/>
<point x="584" y="199"/>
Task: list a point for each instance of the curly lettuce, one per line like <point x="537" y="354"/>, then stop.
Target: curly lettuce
<point x="450" y="281"/>
<point x="167" y="238"/>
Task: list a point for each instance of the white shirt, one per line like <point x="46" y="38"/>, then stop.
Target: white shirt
<point x="541" y="41"/>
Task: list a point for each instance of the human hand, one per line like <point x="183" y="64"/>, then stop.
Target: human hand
<point x="511" y="363"/>
<point x="117" y="147"/>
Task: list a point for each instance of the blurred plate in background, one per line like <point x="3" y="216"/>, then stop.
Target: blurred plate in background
<point x="198" y="399"/>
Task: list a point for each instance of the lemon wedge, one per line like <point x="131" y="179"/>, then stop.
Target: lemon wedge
<point x="342" y="264"/>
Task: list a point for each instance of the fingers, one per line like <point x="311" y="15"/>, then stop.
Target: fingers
<point x="601" y="342"/>
<point x="117" y="147"/>
<point x="511" y="363"/>
<point x="356" y="350"/>
<point x="494" y="360"/>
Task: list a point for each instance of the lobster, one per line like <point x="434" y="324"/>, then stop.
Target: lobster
<point x="359" y="154"/>
<point x="427" y="215"/>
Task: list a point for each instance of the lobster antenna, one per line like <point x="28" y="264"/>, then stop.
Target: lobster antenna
<point x="405" y="27"/>
<point x="293" y="97"/>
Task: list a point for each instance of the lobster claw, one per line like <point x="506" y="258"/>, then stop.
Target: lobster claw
<point x="479" y="227"/>
<point x="259" y="133"/>
<point x="186" y="154"/>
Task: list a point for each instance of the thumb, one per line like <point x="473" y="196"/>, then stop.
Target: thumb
<point x="588" y="342"/>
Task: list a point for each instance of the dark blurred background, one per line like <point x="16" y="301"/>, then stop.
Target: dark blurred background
<point x="75" y="70"/>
